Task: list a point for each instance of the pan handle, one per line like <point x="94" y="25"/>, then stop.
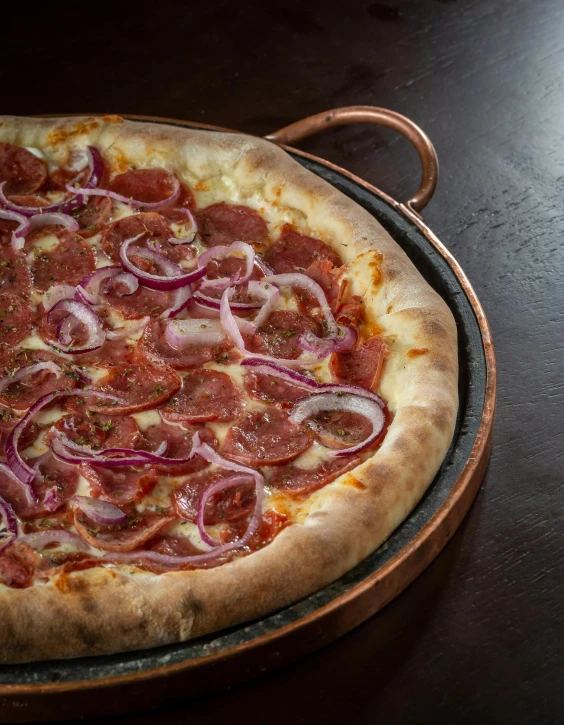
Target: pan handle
<point x="381" y="117"/>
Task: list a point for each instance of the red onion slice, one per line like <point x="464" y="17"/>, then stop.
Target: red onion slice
<point x="96" y="166"/>
<point x="182" y="296"/>
<point x="54" y="218"/>
<point x="78" y="313"/>
<point x="18" y="235"/>
<point x="181" y="333"/>
<point x="88" y="289"/>
<point x="133" y="328"/>
<point x="324" y="346"/>
<point x="18" y="467"/>
<point x="41" y="539"/>
<point x="26" y="371"/>
<point x="127" y="280"/>
<point x="10" y="522"/>
<point x="222" y="251"/>
<point x="86" y="192"/>
<point x="27" y="490"/>
<point x="325" y="401"/>
<point x="303" y="381"/>
<point x="55" y="294"/>
<point x="174" y="276"/>
<point x="221" y="485"/>
<point x="193" y="228"/>
<point x="102" y="512"/>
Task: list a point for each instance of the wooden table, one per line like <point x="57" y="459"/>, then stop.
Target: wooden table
<point x="479" y="637"/>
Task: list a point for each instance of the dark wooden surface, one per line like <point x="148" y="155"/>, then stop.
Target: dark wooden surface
<point x="479" y="637"/>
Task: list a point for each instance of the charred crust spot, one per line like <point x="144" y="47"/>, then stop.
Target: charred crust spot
<point x="417" y="352"/>
<point x="191" y="607"/>
<point x="61" y="135"/>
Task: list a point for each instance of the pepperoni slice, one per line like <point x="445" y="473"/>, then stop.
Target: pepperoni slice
<point x="271" y="525"/>
<point x="229" y="267"/>
<point x="147" y="185"/>
<point x="278" y="337"/>
<point x="23" y="393"/>
<point x="48" y="329"/>
<point x="339" y="429"/>
<point x="360" y="366"/>
<point x="156" y="348"/>
<point x="141" y="386"/>
<point x="326" y="275"/>
<point x="17" y="565"/>
<point x="185" y="200"/>
<point x="14" y="273"/>
<point x="179" y="440"/>
<point x="141" y="303"/>
<point x="303" y="481"/>
<point x="69" y="262"/>
<point x="205" y="395"/>
<point x="112" y="352"/>
<point x="23" y="172"/>
<point x="155" y="234"/>
<point x="59" y="178"/>
<point x="227" y="223"/>
<point x="94" y="215"/>
<point x="134" y="533"/>
<point x="351" y="313"/>
<point x="266" y="438"/>
<point x="294" y="252"/>
<point x="8" y="420"/>
<point x="100" y="431"/>
<point x="55" y="480"/>
<point x="16" y="320"/>
<point x="272" y="389"/>
<point x="122" y="484"/>
<point x="232" y="504"/>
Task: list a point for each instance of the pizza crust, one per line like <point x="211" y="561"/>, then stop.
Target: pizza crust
<point x="99" y="611"/>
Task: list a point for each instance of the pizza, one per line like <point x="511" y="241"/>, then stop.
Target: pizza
<point x="222" y="384"/>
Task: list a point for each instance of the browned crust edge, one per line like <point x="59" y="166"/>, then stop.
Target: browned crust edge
<point x="101" y="611"/>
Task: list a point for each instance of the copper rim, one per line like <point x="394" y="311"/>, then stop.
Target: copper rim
<point x="402" y="568"/>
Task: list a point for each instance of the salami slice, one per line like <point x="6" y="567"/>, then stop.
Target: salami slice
<point x="265" y="439"/>
<point x="227" y="223"/>
<point x="272" y="389"/>
<point x="144" y="302"/>
<point x="23" y="172"/>
<point x="303" y="481"/>
<point x="179" y="445"/>
<point x="59" y="178"/>
<point x="360" y="366"/>
<point x="21" y="394"/>
<point x="278" y="337"/>
<point x="147" y="185"/>
<point x="142" y="386"/>
<point x="100" y="431"/>
<point x="327" y="277"/>
<point x="340" y="429"/>
<point x="229" y="267"/>
<point x="17" y="564"/>
<point x="68" y="263"/>
<point x="120" y="485"/>
<point x="54" y="484"/>
<point x="294" y="252"/>
<point x="134" y="533"/>
<point x="271" y="525"/>
<point x="205" y="395"/>
<point x="112" y="352"/>
<point x="94" y="215"/>
<point x="8" y="420"/>
<point x="16" y="320"/>
<point x="155" y="234"/>
<point x="156" y="348"/>
<point x="351" y="312"/>
<point x="233" y="504"/>
<point x="14" y="273"/>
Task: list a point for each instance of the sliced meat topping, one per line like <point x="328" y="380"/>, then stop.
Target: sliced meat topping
<point x="137" y="530"/>
<point x="122" y="484"/>
<point x="266" y="438"/>
<point x="304" y="481"/>
<point x="8" y="420"/>
<point x="23" y="392"/>
<point x="362" y="365"/>
<point x="179" y="445"/>
<point x="67" y="263"/>
<point x="99" y="431"/>
<point x="16" y="321"/>
<point x="340" y="429"/>
<point x="155" y="347"/>
<point x="232" y="504"/>
<point x="141" y="386"/>
<point x="93" y="215"/>
<point x="155" y="234"/>
<point x="351" y="312"/>
<point x="227" y="223"/>
<point x="14" y="272"/>
<point x="278" y="337"/>
<point x="147" y="185"/>
<point x="294" y="252"/>
<point x="144" y="302"/>
<point x="205" y="395"/>
<point x="272" y="389"/>
<point x="23" y="172"/>
<point x="17" y="565"/>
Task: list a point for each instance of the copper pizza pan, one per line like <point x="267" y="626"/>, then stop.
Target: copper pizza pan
<point x="133" y="681"/>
